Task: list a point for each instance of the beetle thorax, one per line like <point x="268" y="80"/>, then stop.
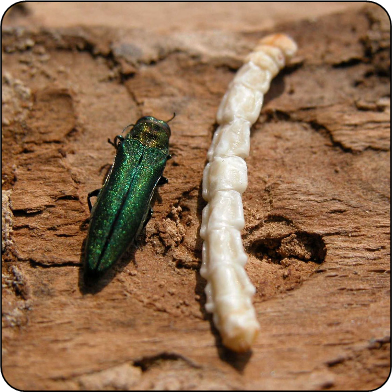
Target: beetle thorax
<point x="150" y="135"/>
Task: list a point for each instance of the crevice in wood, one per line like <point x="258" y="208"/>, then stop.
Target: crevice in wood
<point x="148" y="362"/>
<point x="300" y="245"/>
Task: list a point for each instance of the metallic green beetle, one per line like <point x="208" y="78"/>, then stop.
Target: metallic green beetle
<point x="123" y="207"/>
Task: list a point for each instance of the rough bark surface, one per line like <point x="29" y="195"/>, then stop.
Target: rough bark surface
<point x="316" y="209"/>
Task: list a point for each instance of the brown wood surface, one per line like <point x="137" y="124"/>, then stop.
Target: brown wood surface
<point x="316" y="208"/>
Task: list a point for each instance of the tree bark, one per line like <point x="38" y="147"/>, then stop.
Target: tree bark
<point x="316" y="209"/>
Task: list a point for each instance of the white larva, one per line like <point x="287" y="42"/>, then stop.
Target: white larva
<point x="229" y="290"/>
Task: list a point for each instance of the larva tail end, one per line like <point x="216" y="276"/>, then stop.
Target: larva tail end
<point x="240" y="333"/>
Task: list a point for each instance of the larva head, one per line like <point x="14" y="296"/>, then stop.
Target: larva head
<point x="151" y="132"/>
<point x="282" y="41"/>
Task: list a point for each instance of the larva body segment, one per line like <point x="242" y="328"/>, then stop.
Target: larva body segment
<point x="224" y="174"/>
<point x="274" y="53"/>
<point x="225" y="247"/>
<point x="263" y="61"/>
<point x="231" y="139"/>
<point x="253" y="77"/>
<point x="229" y="290"/>
<point x="239" y="101"/>
<point x="213" y="219"/>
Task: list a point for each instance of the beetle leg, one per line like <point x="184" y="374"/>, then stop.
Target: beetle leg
<point x="149" y="215"/>
<point x="90" y="195"/>
<point x="117" y="140"/>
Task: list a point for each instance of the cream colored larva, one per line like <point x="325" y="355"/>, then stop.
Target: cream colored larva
<point x="229" y="290"/>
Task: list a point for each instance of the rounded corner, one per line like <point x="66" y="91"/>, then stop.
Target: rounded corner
<point x="19" y="3"/>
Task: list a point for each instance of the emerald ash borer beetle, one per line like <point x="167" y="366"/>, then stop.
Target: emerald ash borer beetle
<point x="122" y="208"/>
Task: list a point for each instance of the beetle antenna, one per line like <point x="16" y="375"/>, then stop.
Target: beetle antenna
<point x="174" y="115"/>
<point x="130" y="125"/>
